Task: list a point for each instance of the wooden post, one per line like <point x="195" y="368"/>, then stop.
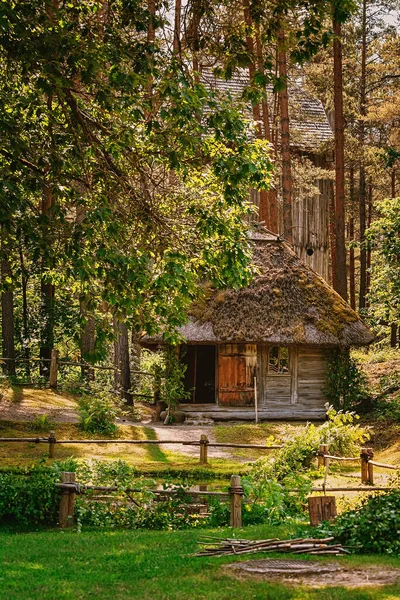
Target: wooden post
<point x="364" y="465"/>
<point x="370" y="467"/>
<point x="67" y="502"/>
<point x="53" y="368"/>
<point x="256" y="399"/>
<point x="236" y="493"/>
<point x="52" y="444"/>
<point x="323" y="449"/>
<point x="321" y="508"/>
<point x="203" y="449"/>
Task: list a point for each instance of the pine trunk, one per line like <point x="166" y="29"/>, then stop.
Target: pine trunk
<point x="121" y="361"/>
<point x="352" y="270"/>
<point x="87" y="342"/>
<point x="339" y="271"/>
<point x="285" y="140"/>
<point x="7" y="318"/>
<point x="362" y="197"/>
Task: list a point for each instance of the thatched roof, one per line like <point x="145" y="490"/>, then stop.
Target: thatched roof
<point x="310" y="128"/>
<point x="287" y="303"/>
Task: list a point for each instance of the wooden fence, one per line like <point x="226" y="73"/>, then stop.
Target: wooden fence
<point x="55" y="362"/>
<point x="366" y="464"/>
<point x="69" y="488"/>
<point x="203" y="443"/>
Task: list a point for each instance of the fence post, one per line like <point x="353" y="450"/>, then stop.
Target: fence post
<point x="203" y="449"/>
<point x="53" y="368"/>
<point x="364" y="465"/>
<point x="52" y="444"/>
<point x="67" y="502"/>
<point x="236" y="493"/>
<point x="370" y="466"/>
<point x="323" y="449"/>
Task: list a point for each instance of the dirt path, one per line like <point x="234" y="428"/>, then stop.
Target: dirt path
<point x="189" y="433"/>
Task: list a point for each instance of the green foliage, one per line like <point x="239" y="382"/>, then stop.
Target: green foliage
<point x="29" y="498"/>
<point x="373" y="527"/>
<point x="172" y="378"/>
<point x="41" y="423"/>
<point x="150" y="362"/>
<point x="346" y="382"/>
<point x="383" y="237"/>
<point x="340" y="432"/>
<point x="387" y="402"/>
<point x="98" y="410"/>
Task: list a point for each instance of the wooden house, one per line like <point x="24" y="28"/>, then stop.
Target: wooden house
<point x="311" y="139"/>
<point x="270" y="339"/>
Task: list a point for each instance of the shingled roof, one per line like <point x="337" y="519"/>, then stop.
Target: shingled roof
<point x="287" y="303"/>
<point x="310" y="128"/>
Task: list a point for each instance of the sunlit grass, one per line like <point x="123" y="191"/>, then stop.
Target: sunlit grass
<point x="151" y="565"/>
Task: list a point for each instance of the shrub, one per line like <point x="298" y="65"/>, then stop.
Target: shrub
<point x="340" y="432"/>
<point x="30" y="498"/>
<point x="346" y="381"/>
<point x="98" y="411"/>
<point x="374" y="526"/>
<point x="41" y="423"/>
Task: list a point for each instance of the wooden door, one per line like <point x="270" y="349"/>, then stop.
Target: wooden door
<point x="237" y="367"/>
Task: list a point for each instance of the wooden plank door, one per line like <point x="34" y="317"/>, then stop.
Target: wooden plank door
<point x="237" y="367"/>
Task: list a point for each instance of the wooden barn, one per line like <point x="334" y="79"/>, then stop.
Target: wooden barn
<point x="270" y="338"/>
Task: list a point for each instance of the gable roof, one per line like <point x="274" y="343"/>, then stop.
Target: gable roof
<point x="287" y="303"/>
<point x="310" y="128"/>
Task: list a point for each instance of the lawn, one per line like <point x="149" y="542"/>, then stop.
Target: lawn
<point x="150" y="565"/>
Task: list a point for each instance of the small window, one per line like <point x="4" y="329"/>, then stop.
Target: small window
<point x="278" y="361"/>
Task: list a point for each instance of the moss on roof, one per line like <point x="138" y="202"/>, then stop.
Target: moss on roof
<point x="287" y="303"/>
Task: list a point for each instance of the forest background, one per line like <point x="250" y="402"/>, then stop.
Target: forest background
<point x="125" y="180"/>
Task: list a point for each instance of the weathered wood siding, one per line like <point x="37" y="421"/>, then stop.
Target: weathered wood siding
<point x="303" y="387"/>
<point x="312" y="369"/>
<point x="277" y="388"/>
<point x="237" y="367"/>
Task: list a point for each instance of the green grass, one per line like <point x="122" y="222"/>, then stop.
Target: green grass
<point x="150" y="565"/>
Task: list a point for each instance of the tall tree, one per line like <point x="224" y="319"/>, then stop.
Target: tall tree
<point x="285" y="137"/>
<point x="7" y="306"/>
<point x="339" y="275"/>
<point x="362" y="198"/>
<point x="121" y="360"/>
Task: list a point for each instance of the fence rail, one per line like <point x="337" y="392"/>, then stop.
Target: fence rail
<point x="203" y="443"/>
<point x="365" y="458"/>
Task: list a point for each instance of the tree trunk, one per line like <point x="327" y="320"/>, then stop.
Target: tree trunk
<point x="352" y="275"/>
<point x="25" y="318"/>
<point x="177" y="27"/>
<point x="87" y="342"/>
<point x="47" y="289"/>
<point x="363" y="187"/>
<point x="121" y="361"/>
<point x="339" y="275"/>
<point x="268" y="210"/>
<point x="7" y="317"/>
<point x="368" y="249"/>
<point x="332" y="234"/>
<point x="393" y="335"/>
<point x="285" y="140"/>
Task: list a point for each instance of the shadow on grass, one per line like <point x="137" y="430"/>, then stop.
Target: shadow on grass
<point x="154" y="451"/>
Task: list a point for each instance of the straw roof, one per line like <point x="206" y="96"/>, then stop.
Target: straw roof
<point x="287" y="303"/>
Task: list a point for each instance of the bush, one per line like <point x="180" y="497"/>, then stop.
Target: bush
<point x="41" y="423"/>
<point x="98" y="412"/>
<point x="374" y="526"/>
<point x="30" y="497"/>
<point x="340" y="432"/>
<point x="346" y="381"/>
